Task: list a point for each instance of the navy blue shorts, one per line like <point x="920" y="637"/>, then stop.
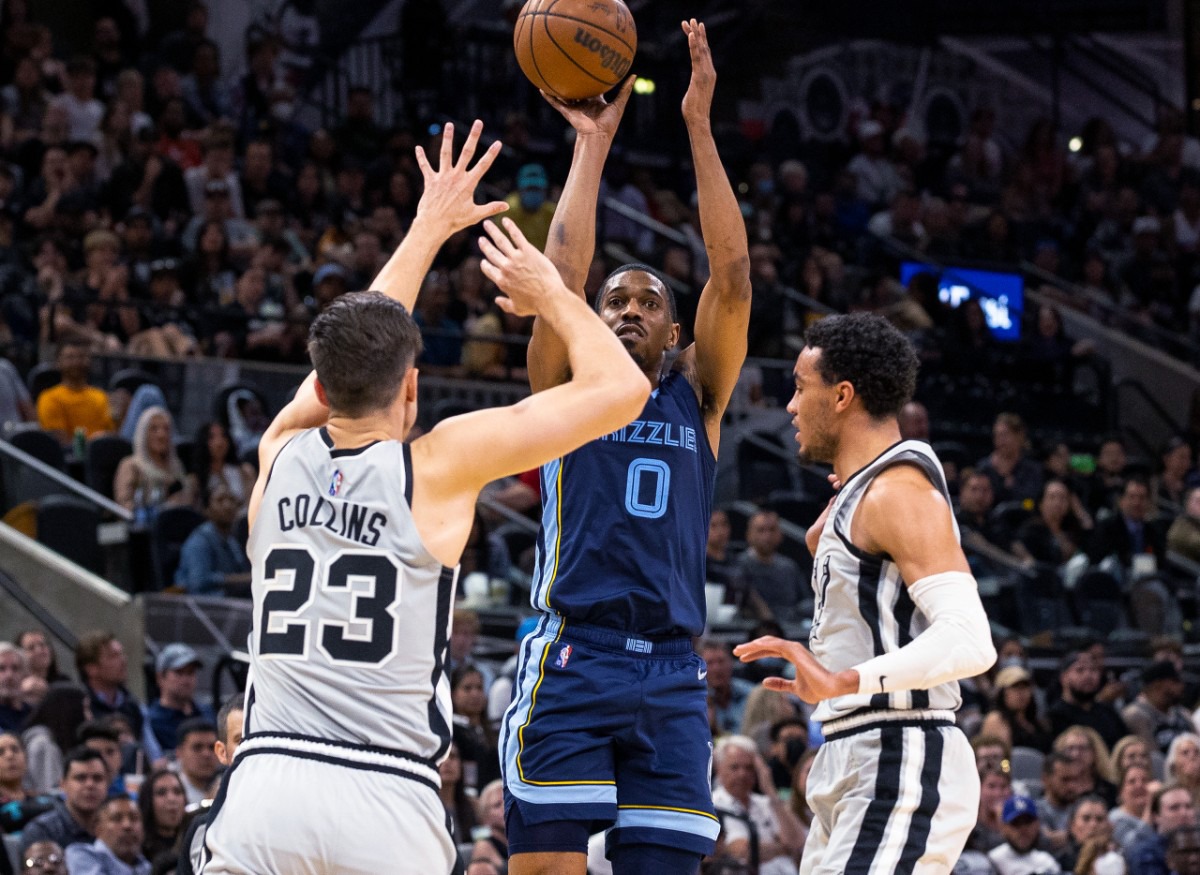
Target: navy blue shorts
<point x="610" y="730"/>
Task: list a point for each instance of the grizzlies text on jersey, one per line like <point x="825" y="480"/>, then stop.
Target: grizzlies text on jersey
<point x="625" y="522"/>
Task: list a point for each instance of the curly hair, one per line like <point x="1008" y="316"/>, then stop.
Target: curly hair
<point x="871" y="354"/>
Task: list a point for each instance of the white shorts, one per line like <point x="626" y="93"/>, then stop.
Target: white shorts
<point x="891" y="795"/>
<point x="299" y="807"/>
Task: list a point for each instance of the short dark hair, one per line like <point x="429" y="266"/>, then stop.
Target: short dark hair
<point x="233" y="703"/>
<point x="90" y="646"/>
<point x="82" y="754"/>
<point x="191" y="727"/>
<point x="362" y="345"/>
<point x="644" y="268"/>
<point x="97" y="729"/>
<point x="871" y="354"/>
<point x="1056" y="757"/>
<point x="115" y="797"/>
<point x="783" y="723"/>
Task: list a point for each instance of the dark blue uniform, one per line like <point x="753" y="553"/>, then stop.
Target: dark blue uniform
<point x="609" y="721"/>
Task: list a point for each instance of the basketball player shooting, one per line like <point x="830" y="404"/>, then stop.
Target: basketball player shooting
<point x="354" y="541"/>
<point x="609" y="723"/>
<point x="898" y="620"/>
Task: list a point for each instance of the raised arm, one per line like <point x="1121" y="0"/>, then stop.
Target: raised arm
<point x="447" y="206"/>
<point x="606" y="390"/>
<point x="572" y="241"/>
<point x="723" y="313"/>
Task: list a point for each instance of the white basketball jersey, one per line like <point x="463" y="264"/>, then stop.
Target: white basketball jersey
<point x="351" y="612"/>
<point x="863" y="608"/>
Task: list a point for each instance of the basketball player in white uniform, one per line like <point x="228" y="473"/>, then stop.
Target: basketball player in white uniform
<point x="898" y="620"/>
<point x="355" y="538"/>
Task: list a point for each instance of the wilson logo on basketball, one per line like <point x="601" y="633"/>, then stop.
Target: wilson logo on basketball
<point x="610" y="58"/>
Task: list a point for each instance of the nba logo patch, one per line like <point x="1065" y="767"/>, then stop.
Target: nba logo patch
<point x="563" y="656"/>
<point x="335" y="483"/>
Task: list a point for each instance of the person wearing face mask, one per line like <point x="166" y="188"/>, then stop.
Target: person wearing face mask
<point x="529" y="206"/>
<point x="789" y="740"/>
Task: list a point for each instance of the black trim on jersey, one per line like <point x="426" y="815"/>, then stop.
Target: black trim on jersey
<point x="406" y="453"/>
<point x="441" y="645"/>
<point x="215" y="809"/>
<point x="850" y="479"/>
<point x="868" y="606"/>
<point x="271" y="470"/>
<point x="248" y="707"/>
<point x="338" y="761"/>
<point x="347" y="745"/>
<point x="922" y="818"/>
<point x="904" y="610"/>
<point x="874" y="825"/>
<point x="341" y="454"/>
<point x="882" y="723"/>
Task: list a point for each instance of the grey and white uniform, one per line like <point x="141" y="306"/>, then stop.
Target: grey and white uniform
<point x="348" y="709"/>
<point x="894" y="788"/>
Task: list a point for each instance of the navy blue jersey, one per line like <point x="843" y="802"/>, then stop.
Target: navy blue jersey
<point x="625" y="522"/>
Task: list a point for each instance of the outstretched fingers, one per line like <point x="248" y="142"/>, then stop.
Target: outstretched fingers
<point x="498" y="240"/>
<point x="779" y="685"/>
<point x="468" y="149"/>
<point x="423" y="163"/>
<point x="447" y="157"/>
<point x="760" y="648"/>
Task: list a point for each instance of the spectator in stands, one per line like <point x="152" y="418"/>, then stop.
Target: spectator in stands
<point x="1084" y="745"/>
<point x="177" y="669"/>
<point x="1182" y="765"/>
<point x="229" y="737"/>
<point x="1183" y="850"/>
<point x="464" y="633"/>
<point x="1080" y="677"/>
<point x="16" y="406"/>
<point x="84" y="111"/>
<point x="73" y="819"/>
<point x="473" y="732"/>
<point x="1058" y="531"/>
<point x="162" y="802"/>
<point x="103" y="669"/>
<point x="1063" y="781"/>
<point x="45" y="858"/>
<point x="1108" y="480"/>
<point x="1015" y="717"/>
<point x="995" y="786"/>
<point x="18" y="805"/>
<point x="727" y="695"/>
<point x="980" y="534"/>
<point x="205" y="94"/>
<point x="213" y="560"/>
<point x="789" y="741"/>
<point x="13" y="669"/>
<point x="1171" y="807"/>
<point x="73" y="404"/>
<point x="195" y="758"/>
<point x="1183" y="537"/>
<point x="105" y="739"/>
<point x="1175" y="475"/>
<point x="720" y="566"/>
<point x="529" y="205"/>
<point x="50" y="731"/>
<point x="1130" y="751"/>
<point x="1019" y="854"/>
<point x="493" y="847"/>
<point x="1087" y="820"/>
<point x="775" y="578"/>
<point x="1155" y="715"/>
<point x="460" y="808"/>
<point x="118" y="844"/>
<point x="914" y="422"/>
<point x="780" y="836"/>
<point x="215" y="277"/>
<point x="877" y="179"/>
<point x="153" y="476"/>
<point x="359" y="135"/>
<point x="240" y="236"/>
<point x="1129" y="533"/>
<point x="1014" y="476"/>
<point x="1130" y="819"/>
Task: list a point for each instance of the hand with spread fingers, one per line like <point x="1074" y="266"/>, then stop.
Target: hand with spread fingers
<point x="449" y="197"/>
<point x="518" y="269"/>
<point x="594" y="116"/>
<point x="814" y="683"/>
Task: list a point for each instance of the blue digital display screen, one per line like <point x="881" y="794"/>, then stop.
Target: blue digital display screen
<point x="1001" y="296"/>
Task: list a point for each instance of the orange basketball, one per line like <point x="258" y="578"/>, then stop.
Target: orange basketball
<point x="575" y="49"/>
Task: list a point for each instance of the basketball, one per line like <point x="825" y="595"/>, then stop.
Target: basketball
<point x="575" y="49"/>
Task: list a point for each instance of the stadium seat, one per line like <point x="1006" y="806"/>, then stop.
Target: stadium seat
<point x="67" y="525"/>
<point x="41" y="445"/>
<point x="761" y="470"/>
<point x="1098" y="603"/>
<point x="1027" y="764"/>
<point x="170" y="529"/>
<point x="41" y="377"/>
<point x="104" y="454"/>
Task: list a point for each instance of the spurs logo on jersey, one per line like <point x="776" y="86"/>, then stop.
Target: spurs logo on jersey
<point x="351" y="613"/>
<point x="863" y="608"/>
